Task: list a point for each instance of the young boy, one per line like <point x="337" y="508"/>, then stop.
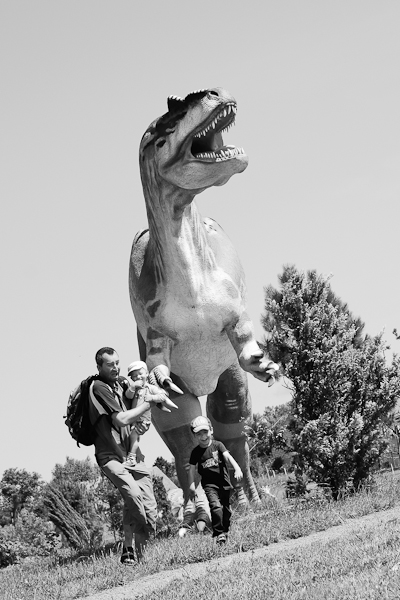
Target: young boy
<point x="138" y="373"/>
<point x="212" y="457"/>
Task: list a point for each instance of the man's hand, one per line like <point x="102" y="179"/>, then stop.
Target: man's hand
<point x="142" y="426"/>
<point x="192" y="494"/>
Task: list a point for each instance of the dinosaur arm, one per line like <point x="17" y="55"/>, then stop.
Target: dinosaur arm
<point x="158" y="349"/>
<point x="251" y="358"/>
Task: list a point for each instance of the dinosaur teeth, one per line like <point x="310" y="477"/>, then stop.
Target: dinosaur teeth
<point x="229" y="108"/>
<point x="229" y="153"/>
<point x="220" y="155"/>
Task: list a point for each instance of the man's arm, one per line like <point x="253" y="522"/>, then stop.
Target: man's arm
<point x="191" y="476"/>
<point x="229" y="458"/>
<point x="120" y="419"/>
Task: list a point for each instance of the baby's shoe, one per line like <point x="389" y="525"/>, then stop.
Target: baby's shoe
<point x="130" y="462"/>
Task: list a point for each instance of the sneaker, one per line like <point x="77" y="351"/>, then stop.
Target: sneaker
<point x="130" y="462"/>
<point x="128" y="556"/>
<point x="221" y="538"/>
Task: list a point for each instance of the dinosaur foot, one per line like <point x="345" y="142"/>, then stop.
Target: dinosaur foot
<point x="157" y="377"/>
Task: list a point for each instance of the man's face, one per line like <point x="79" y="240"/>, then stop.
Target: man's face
<point x="139" y="375"/>
<point x="109" y="370"/>
<point x="203" y="437"/>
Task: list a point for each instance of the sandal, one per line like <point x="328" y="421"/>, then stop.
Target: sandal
<point x="128" y="556"/>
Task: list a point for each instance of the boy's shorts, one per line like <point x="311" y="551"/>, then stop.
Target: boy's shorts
<point x="137" y="400"/>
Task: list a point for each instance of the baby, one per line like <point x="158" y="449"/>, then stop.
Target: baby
<point x="138" y="373"/>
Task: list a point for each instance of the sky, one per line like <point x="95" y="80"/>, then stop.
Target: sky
<point x="318" y="92"/>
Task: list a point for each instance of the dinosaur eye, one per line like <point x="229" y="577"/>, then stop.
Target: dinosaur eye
<point x="160" y="144"/>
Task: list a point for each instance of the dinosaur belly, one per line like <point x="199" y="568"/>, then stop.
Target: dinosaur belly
<point x="193" y="335"/>
<point x="200" y="360"/>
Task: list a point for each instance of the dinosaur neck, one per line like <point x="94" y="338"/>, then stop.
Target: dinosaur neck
<point x="178" y="240"/>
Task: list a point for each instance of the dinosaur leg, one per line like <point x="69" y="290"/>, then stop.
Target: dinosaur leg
<point x="175" y="431"/>
<point x="229" y="408"/>
<point x="174" y="427"/>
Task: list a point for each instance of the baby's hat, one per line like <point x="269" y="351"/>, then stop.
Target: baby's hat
<point x="137" y="365"/>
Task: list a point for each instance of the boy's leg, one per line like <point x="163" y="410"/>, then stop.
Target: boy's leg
<point x="216" y="510"/>
<point x="225" y="496"/>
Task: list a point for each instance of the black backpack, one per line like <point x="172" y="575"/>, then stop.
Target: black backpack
<point x="77" y="418"/>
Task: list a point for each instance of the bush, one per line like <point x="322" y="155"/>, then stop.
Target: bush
<point x="38" y="535"/>
<point x="32" y="536"/>
<point x="10" y="551"/>
<point x="166" y="522"/>
<point x="342" y="385"/>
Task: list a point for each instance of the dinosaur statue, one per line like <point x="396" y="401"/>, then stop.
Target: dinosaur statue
<point x="187" y="285"/>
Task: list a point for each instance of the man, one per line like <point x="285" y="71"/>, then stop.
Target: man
<point x="111" y="417"/>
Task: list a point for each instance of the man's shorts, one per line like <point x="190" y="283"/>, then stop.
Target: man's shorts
<point x="136" y="488"/>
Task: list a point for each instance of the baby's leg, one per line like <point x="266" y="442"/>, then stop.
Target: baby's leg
<point x="134" y="439"/>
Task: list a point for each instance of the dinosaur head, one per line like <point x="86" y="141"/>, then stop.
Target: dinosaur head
<point x="186" y="144"/>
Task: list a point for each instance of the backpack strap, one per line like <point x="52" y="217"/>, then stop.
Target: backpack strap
<point x="100" y="403"/>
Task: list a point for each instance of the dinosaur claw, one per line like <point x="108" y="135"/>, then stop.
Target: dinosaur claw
<point x="170" y="403"/>
<point x="171" y="386"/>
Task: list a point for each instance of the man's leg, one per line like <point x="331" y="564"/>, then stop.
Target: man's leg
<point x="128" y="557"/>
<point x="134" y="515"/>
<point x="142" y="534"/>
<point x="135" y="534"/>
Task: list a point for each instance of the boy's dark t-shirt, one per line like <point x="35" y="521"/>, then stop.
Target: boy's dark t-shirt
<point x="212" y="465"/>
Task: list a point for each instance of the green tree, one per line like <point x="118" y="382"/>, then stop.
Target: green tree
<point x="78" y="482"/>
<point x="168" y="468"/>
<point x="19" y="488"/>
<point x="342" y="386"/>
<point x="112" y="506"/>
<point x="66" y="518"/>
<point x="166" y="522"/>
<point x="270" y="439"/>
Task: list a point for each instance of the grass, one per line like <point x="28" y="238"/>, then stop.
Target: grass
<point x="360" y="567"/>
<point x="273" y="521"/>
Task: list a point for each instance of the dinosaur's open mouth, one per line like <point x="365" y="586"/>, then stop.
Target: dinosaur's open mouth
<point x="208" y="144"/>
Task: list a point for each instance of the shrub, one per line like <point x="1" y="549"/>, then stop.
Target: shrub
<point x="342" y="386"/>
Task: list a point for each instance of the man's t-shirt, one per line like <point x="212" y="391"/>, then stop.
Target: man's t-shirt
<point x="211" y="465"/>
<point x="111" y="443"/>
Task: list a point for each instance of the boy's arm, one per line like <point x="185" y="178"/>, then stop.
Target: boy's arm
<point x="229" y="458"/>
<point x="191" y="476"/>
